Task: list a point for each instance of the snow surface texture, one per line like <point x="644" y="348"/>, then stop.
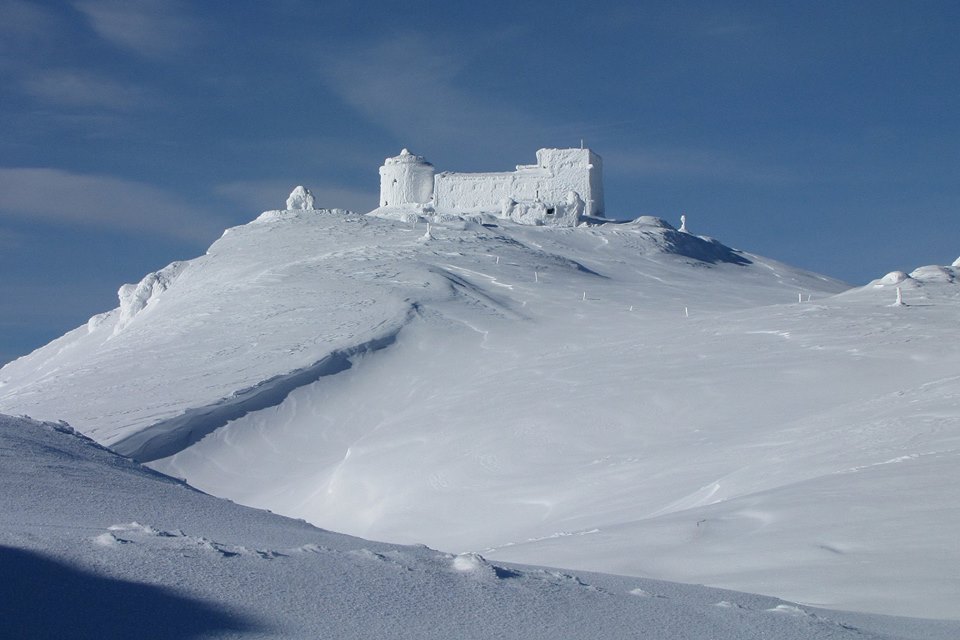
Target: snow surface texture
<point x="624" y="398"/>
<point x="95" y="546"/>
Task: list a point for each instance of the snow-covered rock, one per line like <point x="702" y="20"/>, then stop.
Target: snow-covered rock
<point x="300" y="199"/>
<point x="134" y="298"/>
<point x="892" y="278"/>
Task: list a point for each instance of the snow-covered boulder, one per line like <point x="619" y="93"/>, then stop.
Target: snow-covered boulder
<point x="135" y="297"/>
<point x="300" y="199"/>
<point x="651" y="221"/>
<point x="894" y="277"/>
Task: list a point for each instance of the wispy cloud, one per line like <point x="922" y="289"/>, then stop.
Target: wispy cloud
<point x="53" y="195"/>
<point x="263" y="195"/>
<point x="414" y="88"/>
<point x="82" y="89"/>
<point x="25" y="20"/>
<point x="151" y="28"/>
<point x="27" y="31"/>
<point x="701" y="164"/>
<point x="39" y="57"/>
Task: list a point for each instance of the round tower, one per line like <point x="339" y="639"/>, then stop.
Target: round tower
<point x="406" y="179"/>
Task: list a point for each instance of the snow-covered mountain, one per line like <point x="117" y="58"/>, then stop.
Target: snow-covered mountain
<point x="95" y="546"/>
<point x="624" y="398"/>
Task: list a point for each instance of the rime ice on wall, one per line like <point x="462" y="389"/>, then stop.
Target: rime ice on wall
<point x="562" y="186"/>
<point x="405" y="179"/>
<point x="556" y="174"/>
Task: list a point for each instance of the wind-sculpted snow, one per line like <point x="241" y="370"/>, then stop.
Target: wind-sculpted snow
<point x="270" y="300"/>
<point x="134" y="298"/>
<point x="626" y="397"/>
<point x="661" y="234"/>
<point x="168" y="437"/>
<point x="278" y="296"/>
<point x="94" y="545"/>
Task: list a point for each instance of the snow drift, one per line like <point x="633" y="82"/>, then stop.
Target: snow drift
<point x="94" y="545"/>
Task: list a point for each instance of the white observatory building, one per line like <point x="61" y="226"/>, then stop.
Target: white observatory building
<point x="560" y="177"/>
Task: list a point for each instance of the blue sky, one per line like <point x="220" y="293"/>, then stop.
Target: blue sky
<point x="822" y="134"/>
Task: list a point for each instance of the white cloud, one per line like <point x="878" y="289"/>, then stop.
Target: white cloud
<point x="25" y="20"/>
<point x="28" y="32"/>
<point x="414" y="88"/>
<point x="264" y="195"/>
<point x="152" y="28"/>
<point x="53" y="195"/>
<point x="82" y="89"/>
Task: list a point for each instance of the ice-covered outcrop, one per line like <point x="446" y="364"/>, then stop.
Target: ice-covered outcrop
<point x="894" y="277"/>
<point x="663" y="235"/>
<point x="135" y="297"/>
<point x="300" y="199"/>
<point x="933" y="273"/>
<point x="919" y="277"/>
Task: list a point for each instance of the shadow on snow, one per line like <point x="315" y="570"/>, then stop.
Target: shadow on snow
<point x="41" y="597"/>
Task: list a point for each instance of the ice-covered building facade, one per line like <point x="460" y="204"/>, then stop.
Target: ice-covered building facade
<point x="563" y="186"/>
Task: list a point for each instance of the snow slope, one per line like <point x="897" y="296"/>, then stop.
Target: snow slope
<point x="624" y="398"/>
<point x="94" y="545"/>
<point x="295" y="294"/>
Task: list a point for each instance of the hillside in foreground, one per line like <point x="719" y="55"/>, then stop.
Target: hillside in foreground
<point x="94" y="545"/>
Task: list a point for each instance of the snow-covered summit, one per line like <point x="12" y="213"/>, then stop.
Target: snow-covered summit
<point x="625" y="397"/>
<point x="295" y="295"/>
